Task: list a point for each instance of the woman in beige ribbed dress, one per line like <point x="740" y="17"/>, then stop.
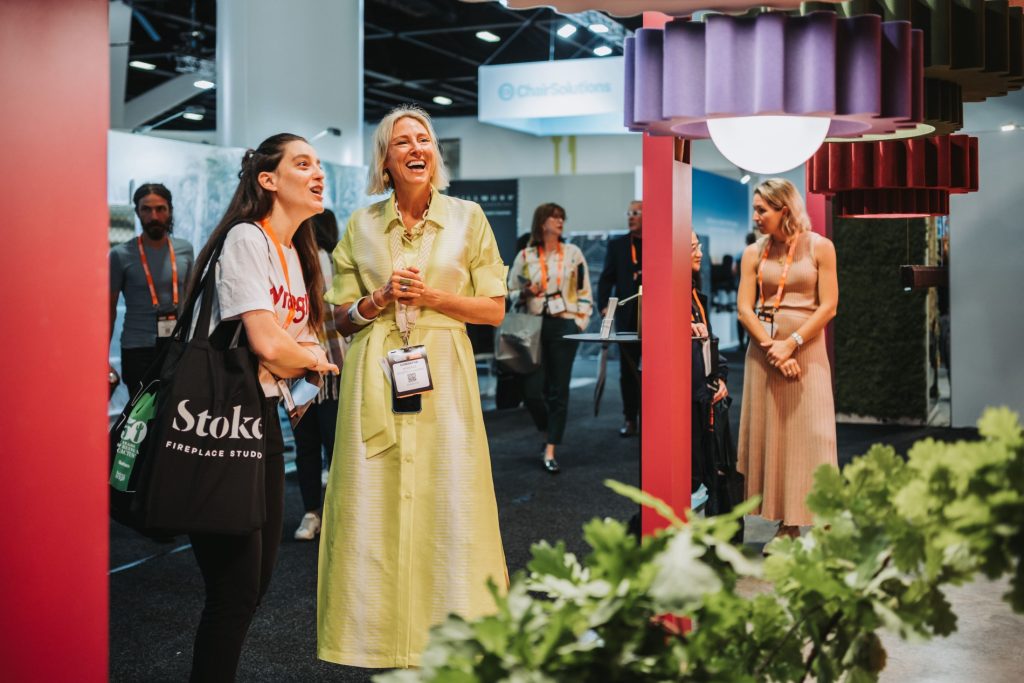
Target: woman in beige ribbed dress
<point x="787" y="422"/>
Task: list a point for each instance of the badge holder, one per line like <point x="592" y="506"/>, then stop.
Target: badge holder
<point x="165" y="325"/>
<point x="555" y="304"/>
<point x="767" y="319"/>
<point x="409" y="374"/>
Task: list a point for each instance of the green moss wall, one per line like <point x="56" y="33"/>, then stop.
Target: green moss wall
<point x="880" y="330"/>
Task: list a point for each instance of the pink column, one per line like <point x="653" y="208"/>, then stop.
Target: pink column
<point x="53" y="578"/>
<point x="666" y="330"/>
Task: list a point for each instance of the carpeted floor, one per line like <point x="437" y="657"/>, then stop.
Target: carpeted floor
<point x="155" y="604"/>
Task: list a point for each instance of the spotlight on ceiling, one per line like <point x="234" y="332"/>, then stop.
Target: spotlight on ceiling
<point x="142" y="66"/>
<point x="487" y="37"/>
<point x="330" y="130"/>
<point x="598" y="28"/>
<point x="566" y="30"/>
<point x="1007" y="127"/>
<point x="441" y="99"/>
<point x="194" y="113"/>
<point x="602" y="51"/>
<point x="745" y="179"/>
<point x="203" y="84"/>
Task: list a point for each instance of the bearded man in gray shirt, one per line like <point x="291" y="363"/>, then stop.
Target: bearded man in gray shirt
<point x="151" y="271"/>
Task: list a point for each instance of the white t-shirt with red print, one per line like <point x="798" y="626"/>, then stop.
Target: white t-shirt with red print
<point x="250" y="278"/>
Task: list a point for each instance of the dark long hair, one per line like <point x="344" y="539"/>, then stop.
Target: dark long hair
<point x="251" y="204"/>
<point x="541" y="214"/>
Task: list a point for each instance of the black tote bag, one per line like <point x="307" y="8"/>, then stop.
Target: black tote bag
<point x="202" y="463"/>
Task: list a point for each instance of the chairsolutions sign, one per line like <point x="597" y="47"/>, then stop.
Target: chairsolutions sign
<point x="565" y="97"/>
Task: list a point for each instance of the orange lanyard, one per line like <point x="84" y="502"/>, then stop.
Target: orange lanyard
<point x="782" y="280"/>
<point x="632" y="248"/>
<point x="703" y="315"/>
<point x="544" y="268"/>
<point x="149" y="276"/>
<point x="265" y="224"/>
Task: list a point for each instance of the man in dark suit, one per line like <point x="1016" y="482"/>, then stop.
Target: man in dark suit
<point x="622" y="276"/>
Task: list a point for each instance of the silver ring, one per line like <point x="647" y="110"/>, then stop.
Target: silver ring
<point x="404" y="288"/>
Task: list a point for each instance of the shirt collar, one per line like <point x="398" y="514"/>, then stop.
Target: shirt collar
<point x="438" y="213"/>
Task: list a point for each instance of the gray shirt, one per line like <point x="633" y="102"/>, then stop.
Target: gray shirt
<point x="128" y="278"/>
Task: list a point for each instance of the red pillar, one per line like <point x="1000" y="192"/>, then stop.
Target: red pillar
<point x="54" y="116"/>
<point x="667" y="188"/>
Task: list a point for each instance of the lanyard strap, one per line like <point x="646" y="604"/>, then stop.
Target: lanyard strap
<point x="703" y="315"/>
<point x="782" y="280"/>
<point x="406" y="315"/>
<point x="632" y="249"/>
<point x="265" y="224"/>
<point x="544" y="267"/>
<point x="149" y="276"/>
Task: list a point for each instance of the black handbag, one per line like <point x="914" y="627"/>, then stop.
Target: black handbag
<point x="201" y="464"/>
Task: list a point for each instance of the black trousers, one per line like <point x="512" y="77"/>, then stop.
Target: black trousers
<point x="628" y="382"/>
<point x="546" y="390"/>
<point x="314" y="440"/>
<point x="236" y="571"/>
<point x="134" y="363"/>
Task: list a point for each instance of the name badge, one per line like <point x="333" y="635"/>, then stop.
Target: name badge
<point x="556" y="304"/>
<point x="767" y="319"/>
<point x="165" y="325"/>
<point x="410" y="373"/>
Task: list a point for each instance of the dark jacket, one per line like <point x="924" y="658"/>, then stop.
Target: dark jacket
<point x="617" y="278"/>
<point x="701" y="392"/>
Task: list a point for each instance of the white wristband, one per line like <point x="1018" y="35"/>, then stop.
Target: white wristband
<point x="797" y="338"/>
<point x="356" y="317"/>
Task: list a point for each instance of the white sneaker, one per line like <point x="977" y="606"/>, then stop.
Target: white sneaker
<point x="308" y="528"/>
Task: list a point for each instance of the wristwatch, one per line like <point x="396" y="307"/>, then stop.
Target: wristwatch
<point x="798" y="339"/>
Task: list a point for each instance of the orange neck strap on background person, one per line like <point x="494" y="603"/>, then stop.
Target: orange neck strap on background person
<point x="700" y="307"/>
<point x="149" y="276"/>
<point x="544" y="267"/>
<point x="265" y="224"/>
<point x="632" y="248"/>
<point x="782" y="279"/>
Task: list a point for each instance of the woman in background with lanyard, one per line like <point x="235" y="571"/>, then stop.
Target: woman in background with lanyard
<point x="410" y="524"/>
<point x="787" y="422"/>
<point x="268" y="275"/>
<point x="552" y="279"/>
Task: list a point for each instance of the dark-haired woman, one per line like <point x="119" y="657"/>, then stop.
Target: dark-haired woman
<point x="551" y="278"/>
<point x="267" y="275"/>
<point x="314" y="434"/>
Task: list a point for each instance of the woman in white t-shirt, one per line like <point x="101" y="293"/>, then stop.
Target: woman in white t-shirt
<point x="268" y="275"/>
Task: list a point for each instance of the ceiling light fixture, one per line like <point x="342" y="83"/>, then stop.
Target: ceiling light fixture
<point x="598" y="28"/>
<point x="203" y="84"/>
<point x="140" y="65"/>
<point x="487" y="36"/>
<point x="745" y="179"/>
<point x="602" y="51"/>
<point x="1007" y="127"/>
<point x="193" y="115"/>
<point x="442" y="100"/>
<point x="566" y="30"/>
<point x="746" y="105"/>
<point x="768" y="144"/>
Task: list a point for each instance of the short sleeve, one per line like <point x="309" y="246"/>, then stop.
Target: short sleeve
<point x="116" y="272"/>
<point x="345" y="286"/>
<point x="243" y="273"/>
<point x="486" y="269"/>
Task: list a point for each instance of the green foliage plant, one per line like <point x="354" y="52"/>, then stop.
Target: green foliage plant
<point x="889" y="533"/>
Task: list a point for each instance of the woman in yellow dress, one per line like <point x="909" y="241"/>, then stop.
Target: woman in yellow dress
<point x="410" y="527"/>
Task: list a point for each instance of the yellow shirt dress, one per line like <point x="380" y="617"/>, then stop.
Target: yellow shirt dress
<point x="410" y="522"/>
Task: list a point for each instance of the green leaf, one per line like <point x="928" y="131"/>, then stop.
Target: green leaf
<point x="1001" y="424"/>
